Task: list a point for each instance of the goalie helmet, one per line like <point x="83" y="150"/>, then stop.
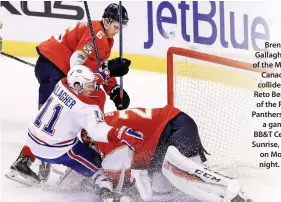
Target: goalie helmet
<point x="112" y="12"/>
<point x="80" y="74"/>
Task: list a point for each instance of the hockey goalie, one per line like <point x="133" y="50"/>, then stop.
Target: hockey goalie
<point x="171" y="157"/>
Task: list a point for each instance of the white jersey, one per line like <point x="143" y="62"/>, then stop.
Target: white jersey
<point x="61" y="119"/>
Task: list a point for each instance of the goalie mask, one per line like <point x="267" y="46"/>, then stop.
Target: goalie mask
<point x="81" y="75"/>
<point x="112" y="13"/>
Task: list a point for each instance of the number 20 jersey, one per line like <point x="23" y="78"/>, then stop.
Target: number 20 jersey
<point x="151" y="122"/>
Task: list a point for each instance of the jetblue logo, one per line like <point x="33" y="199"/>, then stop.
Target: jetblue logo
<point x="223" y="32"/>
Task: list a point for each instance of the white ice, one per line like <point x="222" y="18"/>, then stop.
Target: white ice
<point x="19" y="95"/>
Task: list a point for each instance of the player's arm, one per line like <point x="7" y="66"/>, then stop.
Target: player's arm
<point x="106" y="76"/>
<point x="82" y="56"/>
<point x="99" y="131"/>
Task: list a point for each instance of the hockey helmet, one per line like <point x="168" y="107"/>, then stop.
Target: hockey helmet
<point x="112" y="12"/>
<point x="82" y="75"/>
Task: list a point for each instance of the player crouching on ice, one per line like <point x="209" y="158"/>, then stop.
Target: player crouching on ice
<point x="172" y="153"/>
<point x="52" y="137"/>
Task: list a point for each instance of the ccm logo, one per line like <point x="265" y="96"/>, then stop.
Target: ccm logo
<point x="207" y="175"/>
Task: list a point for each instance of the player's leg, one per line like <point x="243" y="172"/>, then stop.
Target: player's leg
<point x="87" y="162"/>
<point x="199" y="181"/>
<point x="80" y="158"/>
<point x="181" y="132"/>
<point x="183" y="165"/>
<point x="48" y="76"/>
<point x="20" y="170"/>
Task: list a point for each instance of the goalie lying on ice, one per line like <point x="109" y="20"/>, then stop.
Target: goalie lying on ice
<point x="171" y="154"/>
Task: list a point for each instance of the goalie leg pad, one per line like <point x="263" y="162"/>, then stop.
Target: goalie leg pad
<point x="195" y="179"/>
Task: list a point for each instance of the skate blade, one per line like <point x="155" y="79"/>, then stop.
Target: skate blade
<point x="64" y="175"/>
<point x="27" y="181"/>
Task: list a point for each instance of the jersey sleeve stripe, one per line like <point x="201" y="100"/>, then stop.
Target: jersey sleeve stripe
<point x="60" y="144"/>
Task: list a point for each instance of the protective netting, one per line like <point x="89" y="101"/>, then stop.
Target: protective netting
<point x="220" y="100"/>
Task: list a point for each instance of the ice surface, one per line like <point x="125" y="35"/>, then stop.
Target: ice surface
<point x="18" y="105"/>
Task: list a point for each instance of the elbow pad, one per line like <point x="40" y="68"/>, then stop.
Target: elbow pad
<point x="78" y="58"/>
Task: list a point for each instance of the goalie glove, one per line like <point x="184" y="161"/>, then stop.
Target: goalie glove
<point x="127" y="136"/>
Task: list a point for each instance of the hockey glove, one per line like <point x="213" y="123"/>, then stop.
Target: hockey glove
<point x="101" y="75"/>
<point x="127" y="136"/>
<point x="115" y="97"/>
<point x="113" y="68"/>
<point x="118" y="68"/>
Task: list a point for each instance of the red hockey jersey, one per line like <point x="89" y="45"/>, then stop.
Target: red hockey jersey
<point x="151" y="122"/>
<point x="58" y="49"/>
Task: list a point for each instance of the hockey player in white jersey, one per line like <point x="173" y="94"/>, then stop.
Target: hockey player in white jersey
<point x="73" y="106"/>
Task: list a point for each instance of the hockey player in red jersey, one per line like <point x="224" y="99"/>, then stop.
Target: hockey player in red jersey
<point x="171" y="152"/>
<point x="75" y="47"/>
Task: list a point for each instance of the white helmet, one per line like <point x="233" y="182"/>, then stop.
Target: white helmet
<point x="80" y="74"/>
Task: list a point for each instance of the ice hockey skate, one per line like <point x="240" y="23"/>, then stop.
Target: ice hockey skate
<point x="21" y="172"/>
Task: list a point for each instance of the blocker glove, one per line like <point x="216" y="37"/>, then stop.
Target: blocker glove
<point x="115" y="97"/>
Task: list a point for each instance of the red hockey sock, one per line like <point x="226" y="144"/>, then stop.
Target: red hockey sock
<point x="27" y="152"/>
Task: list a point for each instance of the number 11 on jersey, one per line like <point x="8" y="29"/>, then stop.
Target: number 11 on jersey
<point x="49" y="127"/>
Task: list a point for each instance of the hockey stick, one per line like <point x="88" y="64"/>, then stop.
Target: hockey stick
<point x="17" y="59"/>
<point x="92" y="32"/>
<point x="121" y="47"/>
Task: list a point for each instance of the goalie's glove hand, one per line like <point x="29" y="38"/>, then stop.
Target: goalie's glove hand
<point x="115" y="97"/>
<point x="118" y="67"/>
<point x="127" y="136"/>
